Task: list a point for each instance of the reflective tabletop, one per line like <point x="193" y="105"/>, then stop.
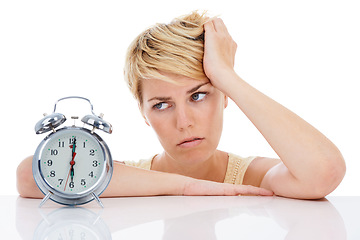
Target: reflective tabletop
<point x="177" y="217"/>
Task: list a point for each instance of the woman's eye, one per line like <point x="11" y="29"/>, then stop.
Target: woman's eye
<point x="198" y="96"/>
<point x="161" y="106"/>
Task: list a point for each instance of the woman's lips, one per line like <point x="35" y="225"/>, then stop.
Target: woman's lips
<point x="190" y="142"/>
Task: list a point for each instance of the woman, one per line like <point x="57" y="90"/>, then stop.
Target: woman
<point x="182" y="76"/>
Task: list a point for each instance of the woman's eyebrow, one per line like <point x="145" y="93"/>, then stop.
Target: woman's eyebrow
<point x="159" y="99"/>
<point x="196" y="88"/>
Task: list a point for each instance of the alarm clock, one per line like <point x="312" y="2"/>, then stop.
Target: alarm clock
<point x="72" y="165"/>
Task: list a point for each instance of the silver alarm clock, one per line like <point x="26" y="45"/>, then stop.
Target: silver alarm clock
<point x="72" y="165"/>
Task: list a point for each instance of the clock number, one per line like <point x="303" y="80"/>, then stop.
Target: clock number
<point x="84" y="145"/>
<point x="52" y="173"/>
<point x="54" y="152"/>
<point x="95" y="163"/>
<point x="49" y="163"/>
<point x="92" y="152"/>
<point x="83" y="182"/>
<point x="71" y="184"/>
<point x="61" y="144"/>
<point x="60" y="181"/>
<point x="72" y="141"/>
<point x="91" y="174"/>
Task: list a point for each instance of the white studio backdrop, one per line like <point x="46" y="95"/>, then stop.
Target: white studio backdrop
<point x="303" y="54"/>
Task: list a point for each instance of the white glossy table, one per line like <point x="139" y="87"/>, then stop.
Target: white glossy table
<point x="173" y="217"/>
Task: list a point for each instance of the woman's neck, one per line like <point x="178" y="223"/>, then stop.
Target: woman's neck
<point x="212" y="169"/>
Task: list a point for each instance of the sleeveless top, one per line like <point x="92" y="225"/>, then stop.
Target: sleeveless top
<point x="235" y="172"/>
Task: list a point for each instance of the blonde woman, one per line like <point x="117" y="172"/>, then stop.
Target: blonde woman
<point x="182" y="75"/>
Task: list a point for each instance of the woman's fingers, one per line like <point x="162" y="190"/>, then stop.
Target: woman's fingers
<point x="251" y="190"/>
<point x="215" y="25"/>
<point x="219" y="26"/>
<point x="219" y="53"/>
<point x="209" y="26"/>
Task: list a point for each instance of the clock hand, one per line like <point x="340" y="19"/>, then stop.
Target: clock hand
<point x="71" y="171"/>
<point x="72" y="163"/>
<point x="73" y="146"/>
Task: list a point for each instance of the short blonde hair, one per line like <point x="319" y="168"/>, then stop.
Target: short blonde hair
<point x="176" y="48"/>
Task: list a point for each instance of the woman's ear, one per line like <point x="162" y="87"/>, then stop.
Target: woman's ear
<point x="143" y="115"/>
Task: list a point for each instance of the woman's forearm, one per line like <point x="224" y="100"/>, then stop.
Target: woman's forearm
<point x="132" y="181"/>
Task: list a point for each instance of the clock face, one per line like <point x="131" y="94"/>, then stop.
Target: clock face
<point x="72" y="161"/>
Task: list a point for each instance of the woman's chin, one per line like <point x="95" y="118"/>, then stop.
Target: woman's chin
<point x="193" y="156"/>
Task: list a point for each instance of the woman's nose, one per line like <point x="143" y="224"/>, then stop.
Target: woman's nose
<point x="184" y="117"/>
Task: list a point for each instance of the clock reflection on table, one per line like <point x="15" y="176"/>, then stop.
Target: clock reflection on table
<point x="72" y="223"/>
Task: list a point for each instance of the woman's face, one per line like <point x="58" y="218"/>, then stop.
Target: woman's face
<point x="187" y="117"/>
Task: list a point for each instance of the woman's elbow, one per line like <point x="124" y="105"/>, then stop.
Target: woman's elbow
<point x="25" y="183"/>
<point x="331" y="177"/>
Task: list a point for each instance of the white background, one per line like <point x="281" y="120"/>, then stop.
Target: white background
<point x="304" y="54"/>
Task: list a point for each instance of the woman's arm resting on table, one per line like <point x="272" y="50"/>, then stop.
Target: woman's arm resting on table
<point x="131" y="181"/>
<point x="311" y="166"/>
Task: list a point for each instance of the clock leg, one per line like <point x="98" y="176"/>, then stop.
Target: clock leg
<point x="45" y="199"/>
<point x="97" y="199"/>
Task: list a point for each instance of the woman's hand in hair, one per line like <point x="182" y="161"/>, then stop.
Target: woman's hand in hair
<point x="219" y="54"/>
